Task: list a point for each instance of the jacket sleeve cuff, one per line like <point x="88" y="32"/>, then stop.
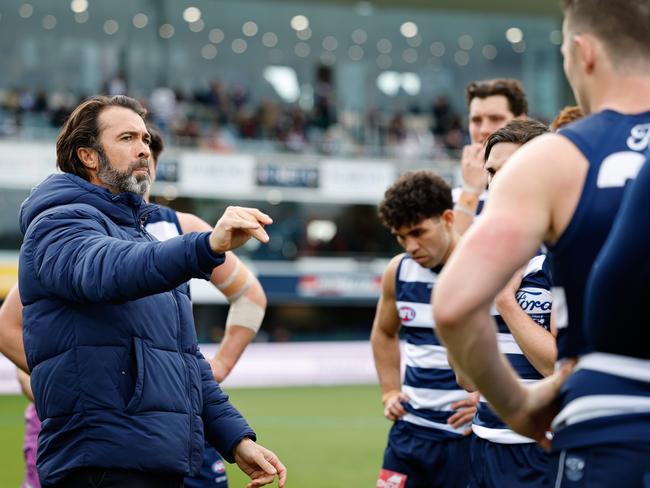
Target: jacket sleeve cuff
<point x="207" y="259"/>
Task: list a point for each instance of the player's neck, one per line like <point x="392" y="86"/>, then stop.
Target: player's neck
<point x="628" y="95"/>
<point x="452" y="245"/>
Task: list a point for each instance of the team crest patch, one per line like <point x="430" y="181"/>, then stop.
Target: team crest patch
<point x="574" y="468"/>
<point x="407" y="314"/>
<point x="218" y="467"/>
<point x="391" y="479"/>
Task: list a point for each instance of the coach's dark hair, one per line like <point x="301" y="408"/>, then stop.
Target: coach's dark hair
<point x="156" y="146"/>
<point x="621" y="25"/>
<point x="415" y="196"/>
<point x="515" y="132"/>
<point x="81" y="129"/>
<point x="510" y="88"/>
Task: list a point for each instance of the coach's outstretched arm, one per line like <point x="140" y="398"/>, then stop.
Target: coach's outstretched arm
<point x="516" y="220"/>
<point x="68" y="252"/>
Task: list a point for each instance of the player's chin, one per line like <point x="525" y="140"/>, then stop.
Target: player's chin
<point x="425" y="261"/>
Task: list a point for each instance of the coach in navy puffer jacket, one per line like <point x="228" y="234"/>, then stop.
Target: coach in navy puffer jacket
<point x="113" y="386"/>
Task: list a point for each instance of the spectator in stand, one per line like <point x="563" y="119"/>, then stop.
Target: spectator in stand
<point x="163" y="107"/>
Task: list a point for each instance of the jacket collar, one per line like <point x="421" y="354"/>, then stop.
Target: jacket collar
<point x="64" y="188"/>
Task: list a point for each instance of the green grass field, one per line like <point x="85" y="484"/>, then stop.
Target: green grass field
<point x="326" y="436"/>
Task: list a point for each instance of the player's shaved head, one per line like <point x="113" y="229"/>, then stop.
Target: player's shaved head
<point x="621" y="25"/>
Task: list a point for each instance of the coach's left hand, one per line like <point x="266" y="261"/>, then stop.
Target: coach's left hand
<point x="260" y="464"/>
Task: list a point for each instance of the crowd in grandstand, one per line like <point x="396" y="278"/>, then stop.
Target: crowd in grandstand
<point x="227" y="118"/>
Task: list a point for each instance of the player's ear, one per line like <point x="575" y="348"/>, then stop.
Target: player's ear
<point x="448" y="217"/>
<point x="586" y="47"/>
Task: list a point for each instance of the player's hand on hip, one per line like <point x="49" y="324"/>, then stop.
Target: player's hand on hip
<point x="465" y="411"/>
<point x="236" y="226"/>
<point x="260" y="464"/>
<point x="472" y="167"/>
<point x="539" y="407"/>
<point x="393" y="408"/>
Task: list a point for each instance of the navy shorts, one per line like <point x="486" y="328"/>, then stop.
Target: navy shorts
<point x="607" y="465"/>
<point x="212" y="473"/>
<point x="416" y="461"/>
<point x="499" y="465"/>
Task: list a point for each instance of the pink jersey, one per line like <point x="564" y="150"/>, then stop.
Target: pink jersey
<point x="32" y="428"/>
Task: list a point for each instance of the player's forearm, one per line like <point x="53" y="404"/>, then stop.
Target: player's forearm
<point x="537" y="344"/>
<point x="11" y="345"/>
<point x="472" y="345"/>
<point x="25" y="384"/>
<point x="463" y="219"/>
<point x="465" y="211"/>
<point x="232" y="346"/>
<point x="11" y="330"/>
<point x="385" y="349"/>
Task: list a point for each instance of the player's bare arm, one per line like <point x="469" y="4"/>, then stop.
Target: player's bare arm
<point x="11" y="329"/>
<point x="474" y="181"/>
<point x="25" y="385"/>
<point x="537" y="343"/>
<point x="385" y="345"/>
<point x="519" y="216"/>
<point x="244" y="294"/>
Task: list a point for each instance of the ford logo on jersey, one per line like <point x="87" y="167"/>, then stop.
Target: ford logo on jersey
<point x="534" y="300"/>
<point x="407" y="314"/>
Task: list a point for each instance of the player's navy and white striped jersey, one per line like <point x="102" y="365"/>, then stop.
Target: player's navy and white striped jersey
<point x="163" y="224"/>
<point x="610" y="389"/>
<point x="429" y="381"/>
<point x="614" y="145"/>
<point x="534" y="297"/>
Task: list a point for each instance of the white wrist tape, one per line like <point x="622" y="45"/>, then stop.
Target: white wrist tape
<point x="245" y="313"/>
<point x="464" y="209"/>
<point x="471" y="189"/>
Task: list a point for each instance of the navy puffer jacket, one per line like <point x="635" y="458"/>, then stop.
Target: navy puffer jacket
<point x="117" y="376"/>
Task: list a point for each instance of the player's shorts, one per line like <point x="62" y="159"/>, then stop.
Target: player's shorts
<point x="412" y="461"/>
<point x="603" y="466"/>
<point x="213" y="471"/>
<point x="499" y="465"/>
<point x="32" y="428"/>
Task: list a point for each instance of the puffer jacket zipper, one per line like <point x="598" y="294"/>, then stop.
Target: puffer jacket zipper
<point x="140" y="224"/>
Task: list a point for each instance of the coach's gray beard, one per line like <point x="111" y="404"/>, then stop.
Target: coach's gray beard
<point x="121" y="181"/>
